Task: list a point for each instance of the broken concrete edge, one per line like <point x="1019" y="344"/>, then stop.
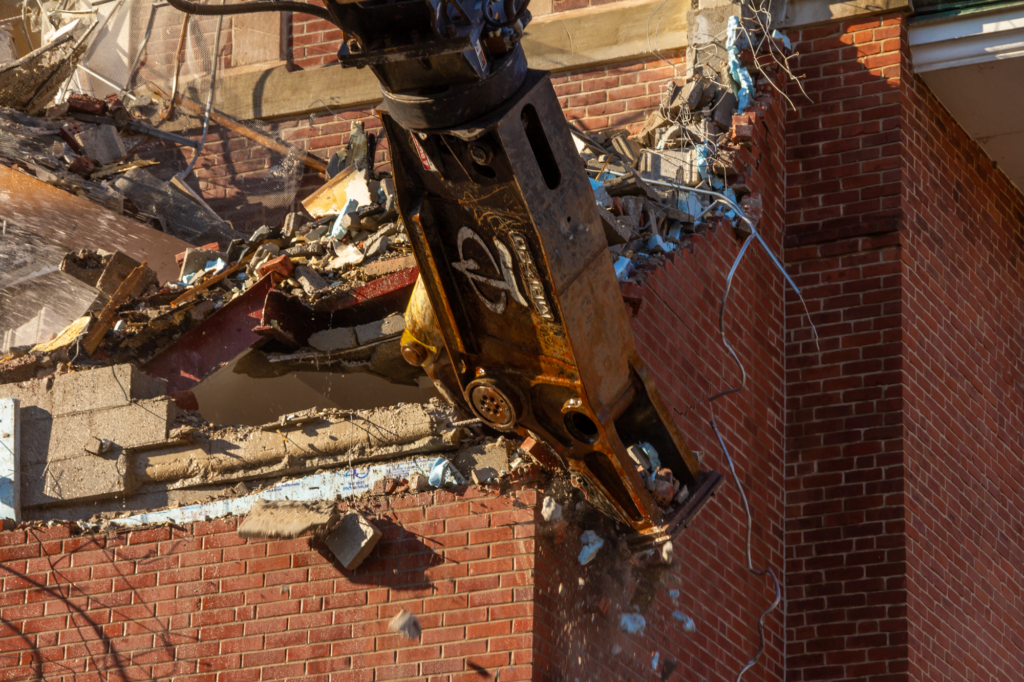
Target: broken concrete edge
<point x="337" y="484"/>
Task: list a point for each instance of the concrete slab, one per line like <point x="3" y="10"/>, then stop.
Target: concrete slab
<point x="373" y="331"/>
<point x="353" y="540"/>
<point x="10" y="462"/>
<point x="283" y="519"/>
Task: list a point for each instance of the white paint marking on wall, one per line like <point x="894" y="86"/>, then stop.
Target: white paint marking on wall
<point x="327" y="485"/>
<point x="10" y="461"/>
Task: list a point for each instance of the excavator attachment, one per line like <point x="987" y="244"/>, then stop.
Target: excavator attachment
<point x="526" y="325"/>
<point x="518" y="315"/>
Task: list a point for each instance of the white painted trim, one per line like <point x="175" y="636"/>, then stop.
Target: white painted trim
<point x="963" y="40"/>
<point x="10" y="461"/>
<point x="335" y="484"/>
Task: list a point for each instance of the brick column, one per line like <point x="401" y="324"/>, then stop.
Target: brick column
<point x="845" y="543"/>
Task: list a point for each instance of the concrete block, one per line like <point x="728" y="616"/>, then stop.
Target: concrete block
<point x="92" y="390"/>
<point x="10" y="462"/>
<point x="372" y="331"/>
<point x="724" y="109"/>
<point x="116" y="270"/>
<point x="102" y="144"/>
<point x="68" y="436"/>
<point x="105" y="387"/>
<point x="353" y="540"/>
<point x="673" y="165"/>
<point x="196" y="260"/>
<point x="310" y="279"/>
<point x="706" y="26"/>
<point x="487" y="461"/>
<point x="341" y="338"/>
<point x="615" y="230"/>
<point x="79" y="479"/>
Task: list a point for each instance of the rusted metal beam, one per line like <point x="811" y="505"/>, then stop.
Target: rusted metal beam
<point x="216" y="340"/>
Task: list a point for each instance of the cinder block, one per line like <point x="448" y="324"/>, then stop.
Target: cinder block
<point x="51" y="439"/>
<point x="82" y="391"/>
<point x="353" y="540"/>
<point x="102" y="144"/>
<point x="79" y="479"/>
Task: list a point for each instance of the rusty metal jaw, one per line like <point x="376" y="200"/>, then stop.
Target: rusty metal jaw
<point x="526" y="323"/>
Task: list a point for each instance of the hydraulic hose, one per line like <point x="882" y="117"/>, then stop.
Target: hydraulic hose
<point x="246" y="7"/>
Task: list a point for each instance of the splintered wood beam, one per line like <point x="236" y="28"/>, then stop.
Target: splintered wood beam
<point x="236" y="126"/>
<point x="106" y="318"/>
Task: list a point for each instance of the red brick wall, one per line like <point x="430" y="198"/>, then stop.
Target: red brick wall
<point x="845" y="545"/>
<point x="963" y="401"/>
<point x="199" y="603"/>
<point x="618" y="95"/>
<point x="677" y="334"/>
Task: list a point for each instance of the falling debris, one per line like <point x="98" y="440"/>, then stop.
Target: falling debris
<point x="591" y="544"/>
<point x="353" y="540"/>
<point x="407" y="624"/>
<point x="551" y="510"/>
<point x="633" y="623"/>
<point x="443" y="474"/>
<point x="687" y="621"/>
<point x="654" y="660"/>
<point x="284" y="519"/>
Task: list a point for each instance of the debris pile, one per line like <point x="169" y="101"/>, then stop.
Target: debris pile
<point x="328" y="285"/>
<point x="682" y="171"/>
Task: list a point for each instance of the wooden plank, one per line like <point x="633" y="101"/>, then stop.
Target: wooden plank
<point x="240" y="128"/>
<point x="209" y="282"/>
<point x="106" y="318"/>
<point x="573" y="40"/>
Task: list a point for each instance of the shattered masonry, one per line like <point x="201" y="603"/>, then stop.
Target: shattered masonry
<point x="221" y="455"/>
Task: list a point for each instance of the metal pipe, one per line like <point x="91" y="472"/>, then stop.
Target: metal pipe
<point x="246" y="7"/>
<point x="209" y="100"/>
<point x="104" y="79"/>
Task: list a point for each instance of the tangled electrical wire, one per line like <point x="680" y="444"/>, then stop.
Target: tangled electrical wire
<point x="684" y="119"/>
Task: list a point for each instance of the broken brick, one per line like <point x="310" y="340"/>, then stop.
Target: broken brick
<point x="86" y="104"/>
<point x="385" y="486"/>
<point x="282" y="265"/>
